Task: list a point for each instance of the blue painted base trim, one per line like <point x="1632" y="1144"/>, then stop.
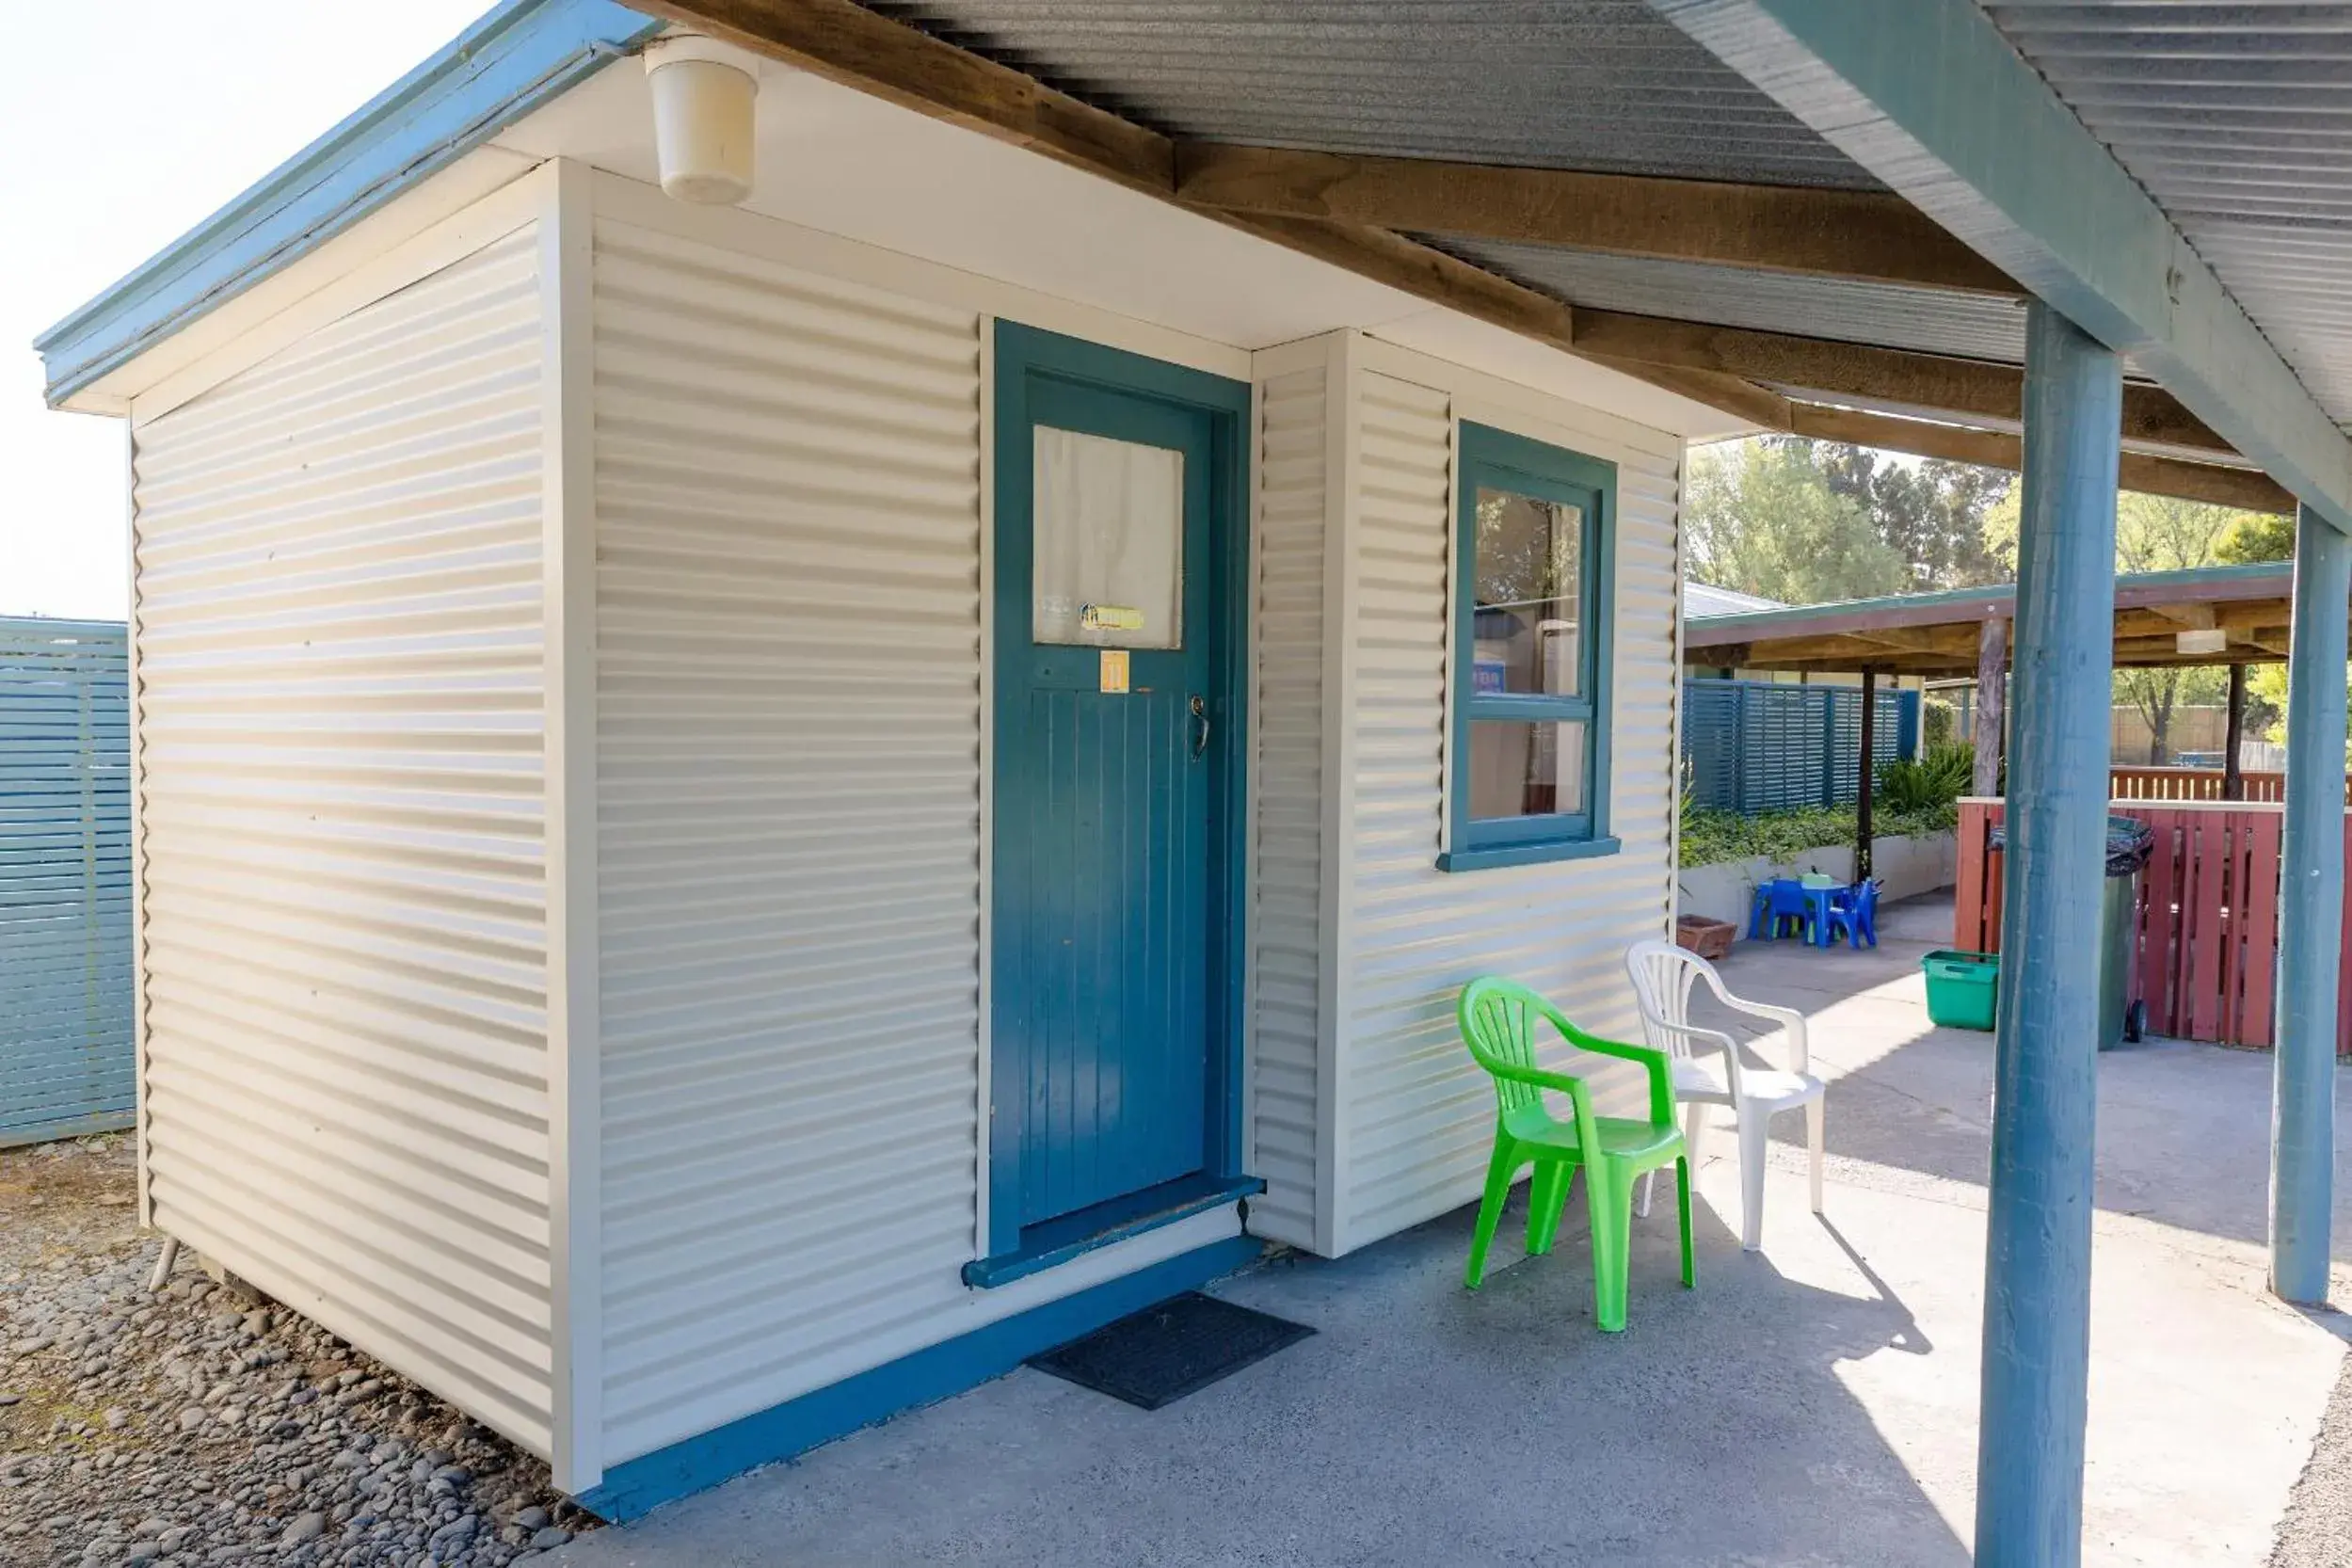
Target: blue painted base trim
<point x="1058" y="1241"/>
<point x="633" y="1489"/>
<point x="1526" y="855"/>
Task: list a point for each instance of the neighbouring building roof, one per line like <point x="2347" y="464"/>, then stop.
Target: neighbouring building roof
<point x="1938" y="633"/>
<point x="1700" y="599"/>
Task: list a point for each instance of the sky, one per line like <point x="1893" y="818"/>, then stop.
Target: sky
<point x="136" y="120"/>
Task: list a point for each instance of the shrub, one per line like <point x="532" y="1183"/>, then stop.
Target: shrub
<point x="1935" y="780"/>
<point x="1710" y="837"/>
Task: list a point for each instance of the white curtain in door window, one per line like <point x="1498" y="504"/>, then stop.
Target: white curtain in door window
<point x="1108" y="527"/>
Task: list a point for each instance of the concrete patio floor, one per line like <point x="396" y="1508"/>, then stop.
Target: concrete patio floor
<point x="1812" y="1405"/>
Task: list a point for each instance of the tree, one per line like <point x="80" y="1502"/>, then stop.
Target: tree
<point x="1761" y="518"/>
<point x="1932" y="510"/>
<point x="2155" y="532"/>
<point x="2257" y="537"/>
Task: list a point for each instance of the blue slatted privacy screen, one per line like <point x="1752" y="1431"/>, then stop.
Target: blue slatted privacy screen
<point x="1756" y="746"/>
<point x="65" y="879"/>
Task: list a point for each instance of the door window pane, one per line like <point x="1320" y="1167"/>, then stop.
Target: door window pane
<point x="1524" y="620"/>
<point x="1526" y="770"/>
<point x="1108" y="530"/>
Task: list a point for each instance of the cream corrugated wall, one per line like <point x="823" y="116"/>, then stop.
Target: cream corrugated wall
<point x="338" y="612"/>
<point x="1417" y="1116"/>
<point x="788" y="498"/>
<point x="1286" y="926"/>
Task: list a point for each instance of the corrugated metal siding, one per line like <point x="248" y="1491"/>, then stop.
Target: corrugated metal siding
<point x="1573" y="84"/>
<point x="65" y="879"/>
<point x="1286" y="924"/>
<point x="1419" y="1117"/>
<point x="2234" y="118"/>
<point x="787" y="472"/>
<point x="339" y="612"/>
<point x="1931" y="321"/>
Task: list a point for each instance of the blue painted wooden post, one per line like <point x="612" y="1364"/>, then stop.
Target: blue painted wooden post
<point x="2311" y="916"/>
<point x="2037" y="1325"/>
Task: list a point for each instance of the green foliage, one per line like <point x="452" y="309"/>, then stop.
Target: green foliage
<point x="1710" y="837"/>
<point x="2257" y="537"/>
<point x="1761" y="518"/>
<point x="2266" y="684"/>
<point x="1936" y="781"/>
<point x="1929" y="509"/>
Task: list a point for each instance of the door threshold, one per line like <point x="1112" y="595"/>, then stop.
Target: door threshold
<point x="1058" y="1241"/>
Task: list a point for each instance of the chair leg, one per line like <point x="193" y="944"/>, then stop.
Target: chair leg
<point x="1608" y="1193"/>
<point x="1814" y="1116"/>
<point x="1682" y="1198"/>
<point x="1499" y="1171"/>
<point x="1753" y="1126"/>
<point x="1548" y="1194"/>
<point x="1641" y="1195"/>
<point x="1694" y="1124"/>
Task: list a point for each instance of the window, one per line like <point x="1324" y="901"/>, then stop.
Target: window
<point x="1531" y="639"/>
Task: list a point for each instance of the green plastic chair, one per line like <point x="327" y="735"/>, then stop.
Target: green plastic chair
<point x="1498" y="1019"/>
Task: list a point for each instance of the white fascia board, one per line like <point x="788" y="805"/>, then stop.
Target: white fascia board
<point x="1929" y="97"/>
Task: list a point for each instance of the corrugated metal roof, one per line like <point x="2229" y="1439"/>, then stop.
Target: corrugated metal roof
<point x="1702" y="600"/>
<point x="1603" y="85"/>
<point x="2238" y="120"/>
<point x="1932" y="321"/>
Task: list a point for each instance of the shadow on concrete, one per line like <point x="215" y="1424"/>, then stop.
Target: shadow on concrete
<point x="1422" y="1424"/>
<point x="2183" y="1128"/>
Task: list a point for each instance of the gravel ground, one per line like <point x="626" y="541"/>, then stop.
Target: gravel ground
<point x="198" y="1426"/>
<point x="2317" y="1530"/>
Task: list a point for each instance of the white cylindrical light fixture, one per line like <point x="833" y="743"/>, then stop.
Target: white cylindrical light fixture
<point x="702" y="118"/>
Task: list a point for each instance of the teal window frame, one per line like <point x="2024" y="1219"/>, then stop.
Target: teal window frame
<point x="1497" y="459"/>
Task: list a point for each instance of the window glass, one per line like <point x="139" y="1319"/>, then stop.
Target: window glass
<point x="1529" y="555"/>
<point x="1526" y="770"/>
<point x="1109" y="533"/>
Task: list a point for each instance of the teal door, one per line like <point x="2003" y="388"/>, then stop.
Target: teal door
<point x="1116" y="785"/>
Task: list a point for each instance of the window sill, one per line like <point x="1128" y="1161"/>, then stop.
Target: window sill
<point x="1526" y="855"/>
<point x="1075" y="1235"/>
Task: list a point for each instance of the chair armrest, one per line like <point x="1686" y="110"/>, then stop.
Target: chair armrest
<point x="1712" y="1039"/>
<point x="1649" y="1058"/>
<point x="1791" y="1021"/>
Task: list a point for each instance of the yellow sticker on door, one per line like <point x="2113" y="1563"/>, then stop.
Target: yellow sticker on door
<point x="1115" y="669"/>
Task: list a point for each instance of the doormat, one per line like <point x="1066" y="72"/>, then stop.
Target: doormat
<point x="1170" y="1348"/>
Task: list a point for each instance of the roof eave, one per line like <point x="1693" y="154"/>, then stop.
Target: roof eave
<point x="520" y="56"/>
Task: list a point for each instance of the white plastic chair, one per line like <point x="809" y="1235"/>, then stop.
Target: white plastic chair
<point x="1708" y="1070"/>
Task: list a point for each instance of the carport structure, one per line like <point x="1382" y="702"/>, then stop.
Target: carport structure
<point x="2099" y="239"/>
<point x="2050" y="235"/>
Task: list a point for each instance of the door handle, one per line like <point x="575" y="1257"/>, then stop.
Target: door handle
<point x="1200" y="731"/>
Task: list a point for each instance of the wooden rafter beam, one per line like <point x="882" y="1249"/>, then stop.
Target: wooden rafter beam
<point x="2248" y="489"/>
<point x="1838" y="233"/>
<point x="1934" y="381"/>
<point x="843" y="41"/>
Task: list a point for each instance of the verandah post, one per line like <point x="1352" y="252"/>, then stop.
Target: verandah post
<point x="2037" y="1324"/>
<point x="2311" y="914"/>
<point x="1993" y="665"/>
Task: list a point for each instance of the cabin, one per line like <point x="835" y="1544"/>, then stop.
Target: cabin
<point x="817" y="700"/>
<point x="741" y="805"/>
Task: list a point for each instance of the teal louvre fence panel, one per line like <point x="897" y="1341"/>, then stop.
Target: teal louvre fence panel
<point x="65" y="879"/>
<point x="1756" y="745"/>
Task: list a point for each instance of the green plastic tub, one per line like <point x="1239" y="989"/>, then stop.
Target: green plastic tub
<point x="1962" y="987"/>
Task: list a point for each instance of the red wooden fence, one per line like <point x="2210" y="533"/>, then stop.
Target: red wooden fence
<point x="2206" y="937"/>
